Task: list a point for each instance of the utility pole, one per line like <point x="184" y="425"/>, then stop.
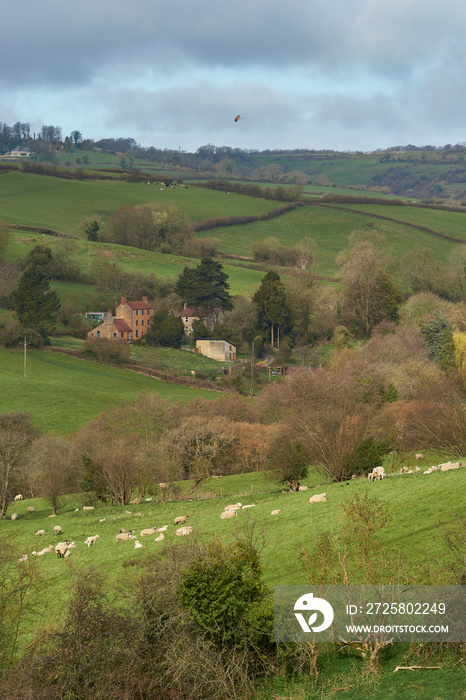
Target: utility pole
<point x="251" y="386"/>
<point x="25" y="358"/>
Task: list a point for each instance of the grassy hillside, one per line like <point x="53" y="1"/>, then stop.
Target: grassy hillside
<point x="37" y="200"/>
<point x="64" y="393"/>
<point x="421" y="507"/>
<point x="330" y="228"/>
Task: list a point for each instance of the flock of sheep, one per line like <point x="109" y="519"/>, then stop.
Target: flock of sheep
<point x="62" y="549"/>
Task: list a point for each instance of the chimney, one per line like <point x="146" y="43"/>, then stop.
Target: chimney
<point x="185" y="306"/>
<point x="108" y="318"/>
<point x="123" y="301"/>
<point x="144" y="299"/>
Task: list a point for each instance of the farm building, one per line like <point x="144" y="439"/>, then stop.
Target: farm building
<point x="216" y="349"/>
<point x="131" y="321"/>
<point x="211" y="319"/>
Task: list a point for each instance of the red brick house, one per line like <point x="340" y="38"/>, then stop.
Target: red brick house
<point x="131" y="321"/>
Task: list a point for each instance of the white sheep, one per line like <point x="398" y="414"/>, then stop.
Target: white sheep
<point x="187" y="530"/>
<point x="30" y="509"/>
<point x="19" y="497"/>
<point x="318" y="498"/>
<point x="88" y="508"/>
<point x="275" y="512"/>
<point x="57" y="530"/>
<point x="449" y="465"/>
<point x="67" y="554"/>
<point x="71" y="545"/>
<point x="159" y="538"/>
<point x="102" y="520"/>
<point x="91" y="540"/>
<point x="14" y="516"/>
<point x="123" y="536"/>
<point x="162" y="529"/>
<point x="180" y="520"/>
<point x="148" y="500"/>
<point x="228" y="514"/>
<point x="148" y="531"/>
<point x="419" y="455"/>
<point x="235" y="506"/>
<point x="251" y="505"/>
<point x="23" y="558"/>
<point x="137" y="545"/>
<point x="404" y="470"/>
<point x="48" y="549"/>
<point x="303" y="488"/>
<point x="61" y="548"/>
<point x="40" y="533"/>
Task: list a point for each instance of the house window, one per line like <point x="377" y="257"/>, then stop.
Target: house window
<point x="114" y="335"/>
<point x="142" y="322"/>
<point x="98" y="334"/>
<point x="137" y="334"/>
<point x="137" y="312"/>
<point x="122" y="335"/>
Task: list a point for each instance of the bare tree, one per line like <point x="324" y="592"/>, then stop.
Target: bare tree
<point x="16" y="436"/>
<point x="55" y="465"/>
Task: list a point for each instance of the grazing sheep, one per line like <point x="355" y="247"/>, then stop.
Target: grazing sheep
<point x="187" y="530"/>
<point x="61" y="548"/>
<point x="88" y="508"/>
<point x="275" y="512"/>
<point x="14" y="516"/>
<point x="159" y="538"/>
<point x="40" y="532"/>
<point x="180" y="520"/>
<point x="19" y="497"/>
<point x="228" y="514"/>
<point x="379" y="472"/>
<point x="57" y="530"/>
<point x="449" y="465"/>
<point x="419" y="455"/>
<point x="137" y="545"/>
<point x="123" y="536"/>
<point x="23" y="558"/>
<point x="30" y="509"/>
<point x="303" y="488"/>
<point x="318" y="498"/>
<point x="149" y="531"/>
<point x="236" y="506"/>
<point x="91" y="540"/>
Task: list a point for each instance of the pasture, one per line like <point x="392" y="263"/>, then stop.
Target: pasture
<point x="58" y="204"/>
<point x="421" y="509"/>
<point x="63" y="393"/>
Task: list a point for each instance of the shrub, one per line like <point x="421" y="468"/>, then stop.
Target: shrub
<point x="112" y="351"/>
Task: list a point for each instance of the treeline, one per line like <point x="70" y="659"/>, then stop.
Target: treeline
<point x="281" y="194"/>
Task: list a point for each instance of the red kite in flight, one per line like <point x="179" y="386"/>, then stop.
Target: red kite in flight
<point x="238" y="117"/>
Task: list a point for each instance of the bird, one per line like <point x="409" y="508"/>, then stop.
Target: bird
<point x="238" y="117"/>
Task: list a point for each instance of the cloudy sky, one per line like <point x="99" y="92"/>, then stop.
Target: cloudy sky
<point x="341" y="74"/>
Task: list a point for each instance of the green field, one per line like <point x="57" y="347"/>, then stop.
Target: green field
<point x="421" y="508"/>
<point x="58" y="204"/>
<point x="63" y="393"/>
<point x="330" y="228"/>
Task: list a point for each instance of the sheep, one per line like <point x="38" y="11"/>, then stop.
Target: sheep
<point x="163" y="529"/>
<point x="72" y="545"/>
<point x="14" y="516"/>
<point x="180" y="520"/>
<point x="48" y="549"/>
<point x="23" y="558"/>
<point x="122" y="529"/>
<point x="228" y="514"/>
<point x="187" y="530"/>
<point x="236" y="506"/>
<point x="159" y="538"/>
<point x="379" y="472"/>
<point x="40" y="532"/>
<point x="57" y="530"/>
<point x="30" y="509"/>
<point x="251" y="505"/>
<point x="275" y="512"/>
<point x="303" y="488"/>
<point x="149" y="531"/>
<point x="419" y="455"/>
<point x="148" y="500"/>
<point x="123" y="536"/>
<point x="135" y="501"/>
<point x="19" y="497"/>
<point x="88" y="508"/>
<point x="318" y="498"/>
<point x="449" y="465"/>
<point x="102" y="520"/>
<point x="67" y="554"/>
<point x="91" y="540"/>
<point x="137" y="545"/>
<point x="404" y="470"/>
<point x="138" y="515"/>
<point x="61" y="548"/>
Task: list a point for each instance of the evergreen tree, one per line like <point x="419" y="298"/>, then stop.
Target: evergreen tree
<point x="271" y="301"/>
<point x="204" y="286"/>
<point x="35" y="304"/>
<point x="171" y="332"/>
